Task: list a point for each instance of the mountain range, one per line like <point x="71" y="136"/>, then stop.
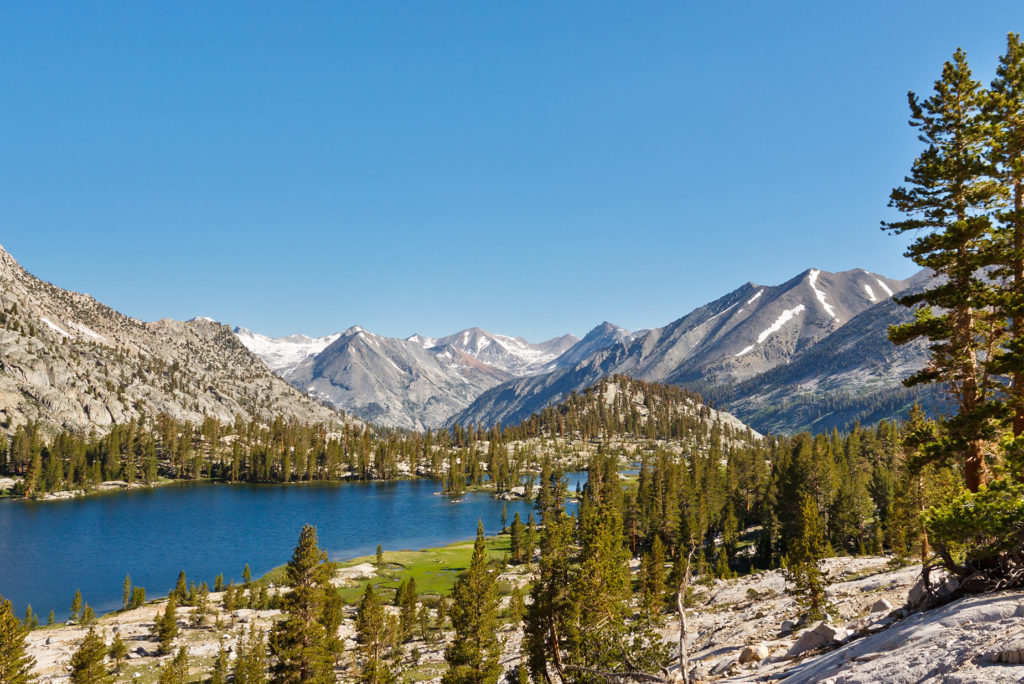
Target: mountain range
<point x="415" y="383"/>
<point x="69" y="362"/>
<point x="809" y="353"/>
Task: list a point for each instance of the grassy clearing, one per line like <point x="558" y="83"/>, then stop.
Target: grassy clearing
<point x="435" y="570"/>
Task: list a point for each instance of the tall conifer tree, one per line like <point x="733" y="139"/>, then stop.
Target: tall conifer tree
<point x="15" y="663"/>
<point x="305" y="643"/>
<point x="945" y="203"/>
<point x="472" y="656"/>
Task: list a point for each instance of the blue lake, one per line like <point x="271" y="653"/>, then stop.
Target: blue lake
<point x="49" y="549"/>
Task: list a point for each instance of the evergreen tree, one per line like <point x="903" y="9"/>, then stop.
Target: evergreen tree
<point x="31" y="621"/>
<point x="305" y="643"/>
<point x="376" y="633"/>
<point x="251" y="663"/>
<point x="548" y="616"/>
<point x="175" y="671"/>
<point x="1005" y="117"/>
<point x="220" y="667"/>
<point x="117" y="652"/>
<point x="407" y="600"/>
<point x="472" y="656"/>
<point x="947" y="205"/>
<point x="600" y="591"/>
<point x="181" y="588"/>
<point x="531" y="540"/>
<point x="126" y="592"/>
<point x="802" y="569"/>
<point x="166" y="624"/>
<point x="87" y="666"/>
<point x="15" y="663"/>
<point x="76" y="606"/>
<point x="516" y="539"/>
<point x="88" y="615"/>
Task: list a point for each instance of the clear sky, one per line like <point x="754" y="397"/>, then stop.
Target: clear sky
<point x="532" y="168"/>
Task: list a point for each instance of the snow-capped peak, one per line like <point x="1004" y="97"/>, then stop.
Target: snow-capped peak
<point x="283" y="353"/>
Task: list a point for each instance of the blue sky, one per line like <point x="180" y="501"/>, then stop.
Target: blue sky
<point x="532" y="168"/>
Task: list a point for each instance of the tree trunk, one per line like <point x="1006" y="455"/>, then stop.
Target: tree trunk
<point x="1018" y="281"/>
<point x="684" y="586"/>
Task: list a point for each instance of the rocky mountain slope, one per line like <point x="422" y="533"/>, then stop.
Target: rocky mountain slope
<point x="70" y="362"/>
<point x="737" y="341"/>
<point x="394" y="382"/>
<point x="851" y="375"/>
<point x="415" y="383"/>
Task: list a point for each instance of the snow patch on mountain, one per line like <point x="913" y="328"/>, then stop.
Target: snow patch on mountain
<point x="820" y="294"/>
<point x="871" y="293"/>
<point x="281" y="354"/>
<point x="783" y="318"/>
<point x="884" y="286"/>
<point x="754" y="298"/>
<point x="87" y="331"/>
<point x="53" y="326"/>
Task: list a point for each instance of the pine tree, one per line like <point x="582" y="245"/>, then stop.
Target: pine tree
<point x="516" y="539"/>
<point x="407" y="600"/>
<point x="15" y="663"/>
<point x="220" y="667"/>
<point x="88" y="615"/>
<point x="87" y="665"/>
<point x="126" y="592"/>
<point x="251" y="663"/>
<point x="305" y="643"/>
<point x="517" y="607"/>
<point x="531" y="540"/>
<point x="601" y="584"/>
<point x="76" y="606"/>
<point x="472" y="656"/>
<point x="946" y="204"/>
<point x="1005" y="116"/>
<point x="166" y="624"/>
<point x="380" y="556"/>
<point x="181" y="588"/>
<point x="376" y="633"/>
<point x="807" y="549"/>
<point x="31" y="621"/>
<point x="118" y="651"/>
<point x="175" y="671"/>
<point x="549" y="614"/>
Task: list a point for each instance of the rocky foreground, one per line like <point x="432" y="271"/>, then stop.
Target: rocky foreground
<point x="741" y="630"/>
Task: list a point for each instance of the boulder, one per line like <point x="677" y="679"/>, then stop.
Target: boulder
<point x="821" y="635"/>
<point x="917" y="593"/>
<point x="881" y="606"/>
<point x="1010" y="653"/>
<point x="723" y="665"/>
<point x="787" y="626"/>
<point x="753" y="653"/>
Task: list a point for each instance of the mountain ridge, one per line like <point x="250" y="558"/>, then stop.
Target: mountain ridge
<point x="71" y="362"/>
<point x="733" y="339"/>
